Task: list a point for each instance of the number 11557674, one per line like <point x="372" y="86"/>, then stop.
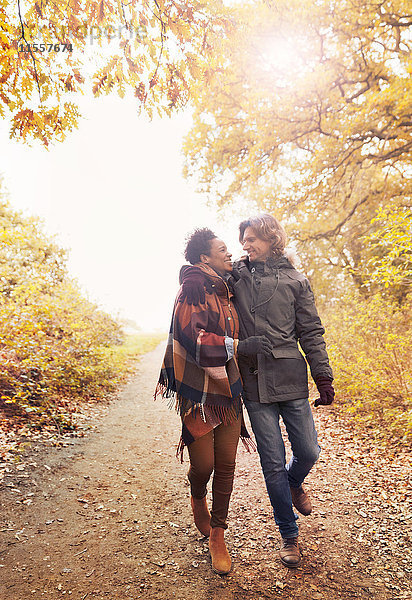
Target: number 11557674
<point x="24" y="47"/>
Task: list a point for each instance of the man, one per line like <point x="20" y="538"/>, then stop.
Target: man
<point x="274" y="300"/>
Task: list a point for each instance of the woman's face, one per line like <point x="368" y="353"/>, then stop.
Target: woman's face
<point x="218" y="258"/>
<point x="257" y="249"/>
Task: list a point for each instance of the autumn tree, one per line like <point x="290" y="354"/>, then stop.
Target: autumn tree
<point x="307" y="114"/>
<point x="52" y="50"/>
<point x="27" y="255"/>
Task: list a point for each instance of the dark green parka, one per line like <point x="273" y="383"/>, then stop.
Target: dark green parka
<point x="275" y="300"/>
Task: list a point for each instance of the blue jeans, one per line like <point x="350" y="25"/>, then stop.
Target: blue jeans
<point x="279" y="477"/>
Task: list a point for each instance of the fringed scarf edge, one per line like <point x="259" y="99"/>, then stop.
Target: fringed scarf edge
<point x="177" y="402"/>
<point x="224" y="414"/>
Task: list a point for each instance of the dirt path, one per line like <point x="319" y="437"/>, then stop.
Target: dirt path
<point x="108" y="517"/>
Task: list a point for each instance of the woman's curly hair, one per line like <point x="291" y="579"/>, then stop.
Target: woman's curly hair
<point x="266" y="228"/>
<point x="198" y="243"/>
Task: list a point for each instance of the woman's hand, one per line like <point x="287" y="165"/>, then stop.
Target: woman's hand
<point x="255" y="344"/>
<point x="194" y="285"/>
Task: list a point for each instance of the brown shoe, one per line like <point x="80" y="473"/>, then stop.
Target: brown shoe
<point x="201" y="515"/>
<point x="301" y="500"/>
<point x="221" y="562"/>
<point x="289" y="552"/>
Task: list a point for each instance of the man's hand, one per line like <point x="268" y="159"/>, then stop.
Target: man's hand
<point x="325" y="389"/>
<point x="255" y="344"/>
<point x="193" y="285"/>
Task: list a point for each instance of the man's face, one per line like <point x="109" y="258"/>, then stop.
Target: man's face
<point x="257" y="249"/>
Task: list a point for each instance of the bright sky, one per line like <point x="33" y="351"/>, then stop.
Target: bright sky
<point x="114" y="194"/>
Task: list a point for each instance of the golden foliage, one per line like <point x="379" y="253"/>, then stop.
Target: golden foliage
<point x="369" y="345"/>
<point x="307" y="115"/>
<point x="51" y="51"/>
<point x="391" y="263"/>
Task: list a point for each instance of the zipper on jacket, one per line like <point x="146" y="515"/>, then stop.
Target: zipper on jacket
<point x="253" y="308"/>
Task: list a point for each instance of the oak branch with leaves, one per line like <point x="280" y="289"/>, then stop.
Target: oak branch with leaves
<point x="155" y="49"/>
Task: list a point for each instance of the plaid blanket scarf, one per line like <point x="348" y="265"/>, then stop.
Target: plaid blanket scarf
<point x="196" y="375"/>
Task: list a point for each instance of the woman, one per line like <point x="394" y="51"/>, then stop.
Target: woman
<point x="200" y="371"/>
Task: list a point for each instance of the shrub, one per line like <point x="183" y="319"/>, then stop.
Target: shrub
<point x="55" y="345"/>
<point x="369" y="345"/>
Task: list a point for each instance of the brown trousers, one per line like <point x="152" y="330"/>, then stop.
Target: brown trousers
<point x="215" y="451"/>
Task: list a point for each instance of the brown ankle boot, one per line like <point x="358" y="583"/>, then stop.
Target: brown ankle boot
<point x="289" y="552"/>
<point x="301" y="500"/>
<point x="201" y="515"/>
<point x="221" y="562"/>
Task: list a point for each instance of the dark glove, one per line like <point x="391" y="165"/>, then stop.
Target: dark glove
<point x="325" y="389"/>
<point x="194" y="285"/>
<point x="255" y="344"/>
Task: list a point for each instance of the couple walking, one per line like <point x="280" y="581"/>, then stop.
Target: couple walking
<point x="234" y="337"/>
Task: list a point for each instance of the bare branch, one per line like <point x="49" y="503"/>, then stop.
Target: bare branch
<point x="332" y="232"/>
<point x="162" y="37"/>
<point x="23" y="36"/>
<point x="393" y="153"/>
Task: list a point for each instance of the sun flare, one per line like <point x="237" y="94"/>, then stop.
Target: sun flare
<point x="282" y="52"/>
<point x="281" y="55"/>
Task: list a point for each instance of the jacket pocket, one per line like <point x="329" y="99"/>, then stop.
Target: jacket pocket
<point x="287" y="375"/>
<point x="287" y="353"/>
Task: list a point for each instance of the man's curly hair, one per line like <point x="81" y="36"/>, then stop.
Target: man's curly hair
<point x="198" y="243"/>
